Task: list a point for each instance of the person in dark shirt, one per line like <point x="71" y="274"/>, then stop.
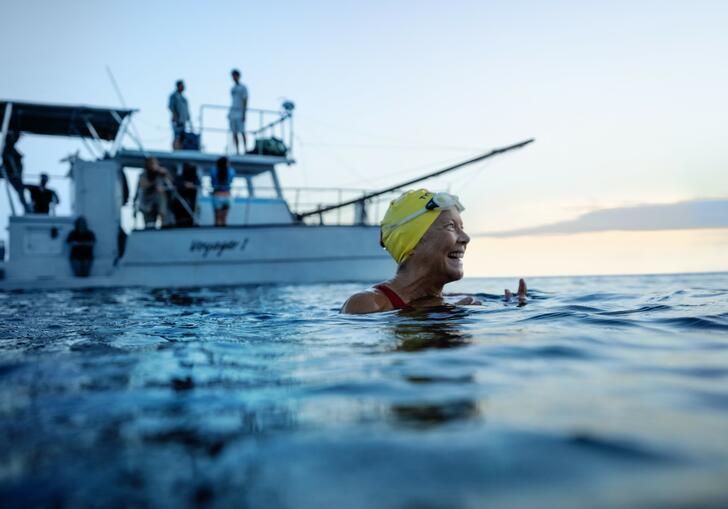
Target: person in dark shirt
<point x="177" y="105"/>
<point x="81" y="240"/>
<point x="186" y="185"/>
<point x="42" y="197"/>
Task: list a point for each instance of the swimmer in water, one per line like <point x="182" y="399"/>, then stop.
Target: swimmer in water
<point x="424" y="234"/>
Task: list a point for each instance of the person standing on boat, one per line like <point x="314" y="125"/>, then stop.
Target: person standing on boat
<point x="82" y="241"/>
<point x="184" y="201"/>
<point x="180" y="114"/>
<point x="42" y="197"/>
<point x="221" y="177"/>
<point x="238" y="110"/>
<point x="424" y="234"/>
<point x="151" y="196"/>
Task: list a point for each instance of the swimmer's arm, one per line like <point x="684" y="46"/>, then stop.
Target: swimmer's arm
<point x="466" y="299"/>
<point x="366" y="302"/>
<point x="469" y="300"/>
<point x="522" y="295"/>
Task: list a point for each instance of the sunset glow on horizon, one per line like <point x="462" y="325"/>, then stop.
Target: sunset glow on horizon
<point x="602" y="253"/>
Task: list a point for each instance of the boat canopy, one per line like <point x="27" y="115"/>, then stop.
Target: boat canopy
<point x="65" y="120"/>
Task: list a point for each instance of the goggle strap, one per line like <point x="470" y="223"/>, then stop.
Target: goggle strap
<point x="405" y="219"/>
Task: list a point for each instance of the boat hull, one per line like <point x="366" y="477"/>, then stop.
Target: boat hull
<point x="238" y="255"/>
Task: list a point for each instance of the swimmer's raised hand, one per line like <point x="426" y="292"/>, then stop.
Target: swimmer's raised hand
<point x="522" y="293"/>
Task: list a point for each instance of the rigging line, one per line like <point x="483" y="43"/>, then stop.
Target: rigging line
<point x="362" y="133"/>
<point x="301" y="144"/>
<point x="422" y="178"/>
<point x="343" y="129"/>
<point x="391" y="147"/>
<point x="469" y="177"/>
<point x="153" y="125"/>
<point x="137" y="137"/>
<point x="476" y="174"/>
<point x="413" y="169"/>
<point x="342" y="162"/>
<point x="349" y="168"/>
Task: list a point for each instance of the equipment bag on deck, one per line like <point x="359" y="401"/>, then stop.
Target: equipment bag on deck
<point x="269" y="147"/>
<point x="190" y="141"/>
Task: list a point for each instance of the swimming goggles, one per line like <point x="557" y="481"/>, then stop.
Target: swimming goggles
<point x="443" y="201"/>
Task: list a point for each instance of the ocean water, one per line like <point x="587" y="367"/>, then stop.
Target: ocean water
<point x="600" y="392"/>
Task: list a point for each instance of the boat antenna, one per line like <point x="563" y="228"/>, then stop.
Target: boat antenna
<point x="135" y="137"/>
<point x="437" y="173"/>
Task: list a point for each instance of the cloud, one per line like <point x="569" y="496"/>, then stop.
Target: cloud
<point x="674" y="216"/>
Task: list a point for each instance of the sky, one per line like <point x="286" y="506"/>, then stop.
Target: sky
<point x="626" y="100"/>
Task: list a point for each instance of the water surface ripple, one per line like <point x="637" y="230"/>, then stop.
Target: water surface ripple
<point x="601" y="392"/>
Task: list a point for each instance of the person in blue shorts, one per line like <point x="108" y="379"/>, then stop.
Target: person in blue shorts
<point x="221" y="177"/>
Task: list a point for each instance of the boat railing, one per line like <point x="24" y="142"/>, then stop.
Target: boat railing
<point x="260" y="123"/>
<point x="302" y="199"/>
<point x="364" y="211"/>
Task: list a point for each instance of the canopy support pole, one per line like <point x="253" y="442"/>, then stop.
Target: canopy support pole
<point x="123" y="125"/>
<point x="96" y="137"/>
<point x="89" y="148"/>
<point x="276" y="184"/>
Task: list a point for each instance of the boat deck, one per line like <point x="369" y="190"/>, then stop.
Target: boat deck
<point x="244" y="164"/>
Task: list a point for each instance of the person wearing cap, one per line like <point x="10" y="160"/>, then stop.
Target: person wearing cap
<point x="424" y="233"/>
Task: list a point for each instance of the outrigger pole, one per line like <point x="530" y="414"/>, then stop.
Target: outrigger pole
<point x="437" y="173"/>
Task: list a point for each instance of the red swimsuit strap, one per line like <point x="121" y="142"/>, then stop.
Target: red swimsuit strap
<point x="395" y="299"/>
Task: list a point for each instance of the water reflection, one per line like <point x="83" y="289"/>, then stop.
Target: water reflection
<point x="429" y="415"/>
<point x="433" y="328"/>
<point x="179" y="297"/>
<point x="261" y="397"/>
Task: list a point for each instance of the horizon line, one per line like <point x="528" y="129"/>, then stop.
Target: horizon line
<point x="625" y="274"/>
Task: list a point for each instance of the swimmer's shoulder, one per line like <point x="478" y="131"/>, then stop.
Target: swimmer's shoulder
<point x="368" y="301"/>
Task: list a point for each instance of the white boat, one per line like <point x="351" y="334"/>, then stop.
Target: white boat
<point x="265" y="241"/>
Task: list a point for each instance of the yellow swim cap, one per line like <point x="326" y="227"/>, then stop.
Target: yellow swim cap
<point x="408" y="218"/>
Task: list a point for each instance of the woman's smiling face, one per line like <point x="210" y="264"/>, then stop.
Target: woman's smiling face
<point x="442" y="247"/>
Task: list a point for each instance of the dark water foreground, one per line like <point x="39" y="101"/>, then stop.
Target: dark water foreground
<point x="601" y="392"/>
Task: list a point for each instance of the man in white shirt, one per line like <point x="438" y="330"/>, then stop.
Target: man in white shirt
<point x="238" y="108"/>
